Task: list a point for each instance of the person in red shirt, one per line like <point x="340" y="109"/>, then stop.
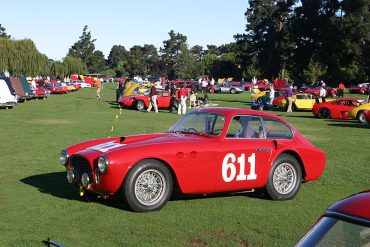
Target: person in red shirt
<point x="341" y="88"/>
<point x="182" y="97"/>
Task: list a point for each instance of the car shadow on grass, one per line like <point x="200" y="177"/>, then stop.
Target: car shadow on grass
<point x="351" y="125"/>
<point x="257" y="194"/>
<point x="56" y="184"/>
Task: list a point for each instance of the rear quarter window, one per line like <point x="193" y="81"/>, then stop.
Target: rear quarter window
<point x="276" y="129"/>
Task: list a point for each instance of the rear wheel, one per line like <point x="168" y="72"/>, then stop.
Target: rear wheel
<point x="285" y="178"/>
<point x="324" y="113"/>
<point x="361" y="117"/>
<point x="140" y="105"/>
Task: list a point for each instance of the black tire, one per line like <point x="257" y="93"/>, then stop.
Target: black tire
<point x="288" y="164"/>
<point x="233" y="91"/>
<point x="140" y="105"/>
<point x="153" y="171"/>
<point x="361" y="117"/>
<point x="324" y="113"/>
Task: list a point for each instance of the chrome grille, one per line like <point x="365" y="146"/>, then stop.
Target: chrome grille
<point x="80" y="165"/>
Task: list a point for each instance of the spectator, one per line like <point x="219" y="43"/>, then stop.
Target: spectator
<point x="368" y="93"/>
<point x="98" y="85"/>
<point x="204" y="85"/>
<point x="271" y="96"/>
<point x="153" y="98"/>
<point x="341" y="88"/>
<point x="289" y="95"/>
<point x="212" y="85"/>
<point x="182" y="96"/>
<point x="322" y="94"/>
<point x="173" y="97"/>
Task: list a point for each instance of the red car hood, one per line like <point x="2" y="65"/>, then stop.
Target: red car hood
<point x="107" y="145"/>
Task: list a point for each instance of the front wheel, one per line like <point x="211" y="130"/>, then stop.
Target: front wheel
<point x="232" y="91"/>
<point x="324" y="113"/>
<point x="140" y="105"/>
<point x="148" y="186"/>
<point x="361" y="117"/>
<point x="285" y="178"/>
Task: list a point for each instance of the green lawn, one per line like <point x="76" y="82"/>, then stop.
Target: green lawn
<point x="37" y="202"/>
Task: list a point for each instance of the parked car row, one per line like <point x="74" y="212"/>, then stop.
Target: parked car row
<point x="17" y="89"/>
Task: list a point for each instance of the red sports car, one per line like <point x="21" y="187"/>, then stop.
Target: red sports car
<point x="208" y="150"/>
<point x="336" y="108"/>
<point x="361" y="88"/>
<point x="141" y="101"/>
<point x="367" y="116"/>
<point x="55" y="89"/>
<point x="346" y="223"/>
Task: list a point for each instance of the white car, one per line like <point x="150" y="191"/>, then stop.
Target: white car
<point x="82" y="84"/>
<point x="6" y="98"/>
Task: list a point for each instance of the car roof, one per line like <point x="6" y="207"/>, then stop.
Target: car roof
<point x="355" y="205"/>
<point x="228" y="111"/>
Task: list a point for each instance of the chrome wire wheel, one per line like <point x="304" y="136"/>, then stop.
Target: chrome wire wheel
<point x="150" y="187"/>
<point x="284" y="178"/>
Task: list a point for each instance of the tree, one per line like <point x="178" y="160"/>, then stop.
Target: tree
<point x="172" y="47"/>
<point x="96" y="62"/>
<point x="3" y="33"/>
<point x="314" y="70"/>
<point x="268" y="33"/>
<point x="20" y="57"/>
<point x="252" y="70"/>
<point x="117" y="54"/>
<point x="198" y="52"/>
<point x="84" y="47"/>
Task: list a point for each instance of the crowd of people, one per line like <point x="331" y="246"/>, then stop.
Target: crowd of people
<point x="205" y="85"/>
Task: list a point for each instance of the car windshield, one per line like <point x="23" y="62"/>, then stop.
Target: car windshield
<point x="332" y="232"/>
<point x="200" y="123"/>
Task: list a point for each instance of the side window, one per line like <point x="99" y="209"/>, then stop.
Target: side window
<point x="245" y="127"/>
<point x="275" y="129"/>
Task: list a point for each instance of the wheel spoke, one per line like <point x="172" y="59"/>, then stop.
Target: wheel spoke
<point x="284" y="178"/>
<point x="150" y="187"/>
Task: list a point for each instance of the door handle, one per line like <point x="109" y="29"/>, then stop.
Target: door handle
<point x="263" y="149"/>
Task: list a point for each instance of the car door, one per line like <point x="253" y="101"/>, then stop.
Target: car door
<point x="244" y="155"/>
<point x="340" y="108"/>
<point x="161" y="99"/>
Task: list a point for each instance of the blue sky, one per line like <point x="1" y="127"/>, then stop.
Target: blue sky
<point x="55" y="26"/>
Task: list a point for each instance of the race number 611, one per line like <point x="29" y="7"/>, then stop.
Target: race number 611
<point x="229" y="168"/>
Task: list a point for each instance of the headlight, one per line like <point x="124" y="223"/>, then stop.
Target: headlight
<point x="64" y="157"/>
<point x="103" y="164"/>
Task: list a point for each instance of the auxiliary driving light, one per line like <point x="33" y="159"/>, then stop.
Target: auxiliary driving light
<point x="85" y="180"/>
<point x="70" y="175"/>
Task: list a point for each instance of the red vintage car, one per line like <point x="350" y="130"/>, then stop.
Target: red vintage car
<point x="336" y="108"/>
<point x="40" y="93"/>
<point x="315" y="91"/>
<point x="55" y="89"/>
<point x="346" y="223"/>
<point x="208" y="150"/>
<point x="141" y="101"/>
<point x="360" y="88"/>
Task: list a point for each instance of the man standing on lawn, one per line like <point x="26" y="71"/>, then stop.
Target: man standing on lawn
<point x="153" y="98"/>
<point x="98" y="88"/>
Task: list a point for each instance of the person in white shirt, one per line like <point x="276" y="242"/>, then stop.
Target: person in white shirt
<point x="322" y="94"/>
<point x="272" y="96"/>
